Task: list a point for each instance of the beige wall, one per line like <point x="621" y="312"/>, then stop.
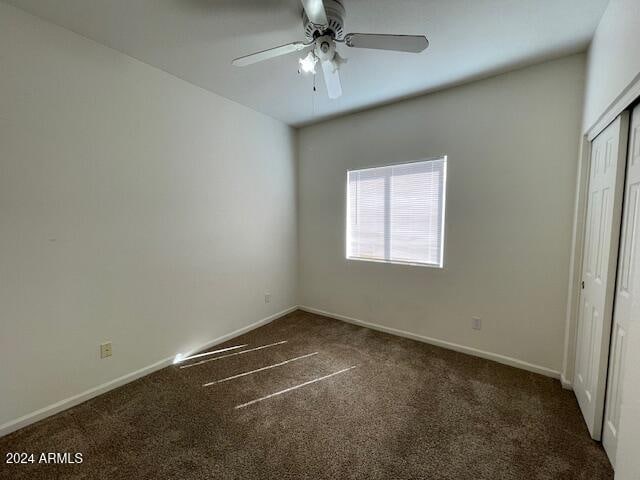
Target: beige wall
<point x="613" y="60"/>
<point x="512" y="143"/>
<point x="134" y="207"/>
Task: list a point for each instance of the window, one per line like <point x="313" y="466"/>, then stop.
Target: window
<point x="395" y="213"/>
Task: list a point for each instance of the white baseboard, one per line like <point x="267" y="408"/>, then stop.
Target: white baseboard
<point x="566" y="384"/>
<point x="240" y="331"/>
<point x="69" y="402"/>
<point x="513" y="362"/>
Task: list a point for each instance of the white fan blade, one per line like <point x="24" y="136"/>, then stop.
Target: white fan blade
<point x="399" y="43"/>
<point x="332" y="79"/>
<point x="268" y="54"/>
<point x="315" y="11"/>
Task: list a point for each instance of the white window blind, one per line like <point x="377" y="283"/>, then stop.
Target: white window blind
<point x="396" y="213"/>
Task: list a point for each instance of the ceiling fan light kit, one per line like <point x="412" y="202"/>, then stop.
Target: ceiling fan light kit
<point x="323" y="24"/>
<point x="308" y="63"/>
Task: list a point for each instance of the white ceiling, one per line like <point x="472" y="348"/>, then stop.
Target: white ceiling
<point x="197" y="39"/>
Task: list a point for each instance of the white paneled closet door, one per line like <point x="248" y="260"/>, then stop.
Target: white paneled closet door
<point x="602" y="234"/>
<point x="627" y="289"/>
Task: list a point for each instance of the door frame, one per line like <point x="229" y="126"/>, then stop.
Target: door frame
<point x="625" y="100"/>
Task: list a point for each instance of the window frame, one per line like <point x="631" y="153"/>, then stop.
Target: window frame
<point x="443" y="234"/>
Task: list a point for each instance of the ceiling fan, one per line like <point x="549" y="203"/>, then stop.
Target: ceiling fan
<point x="323" y="23"/>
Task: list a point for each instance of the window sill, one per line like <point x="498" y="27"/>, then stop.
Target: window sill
<point x="396" y="262"/>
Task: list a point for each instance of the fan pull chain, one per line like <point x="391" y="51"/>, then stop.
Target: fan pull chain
<point x="313" y="97"/>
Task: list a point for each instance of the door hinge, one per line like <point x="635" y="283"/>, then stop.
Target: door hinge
<point x="582" y="284"/>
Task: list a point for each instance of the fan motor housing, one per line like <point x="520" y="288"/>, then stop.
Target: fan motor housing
<point x="335" y="15"/>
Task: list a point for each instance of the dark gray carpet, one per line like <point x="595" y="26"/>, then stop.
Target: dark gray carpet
<point x="406" y="411"/>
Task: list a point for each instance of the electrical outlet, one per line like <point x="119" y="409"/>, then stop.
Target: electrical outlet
<point x="267" y="297"/>
<point x="476" y="323"/>
<point x="105" y="350"/>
